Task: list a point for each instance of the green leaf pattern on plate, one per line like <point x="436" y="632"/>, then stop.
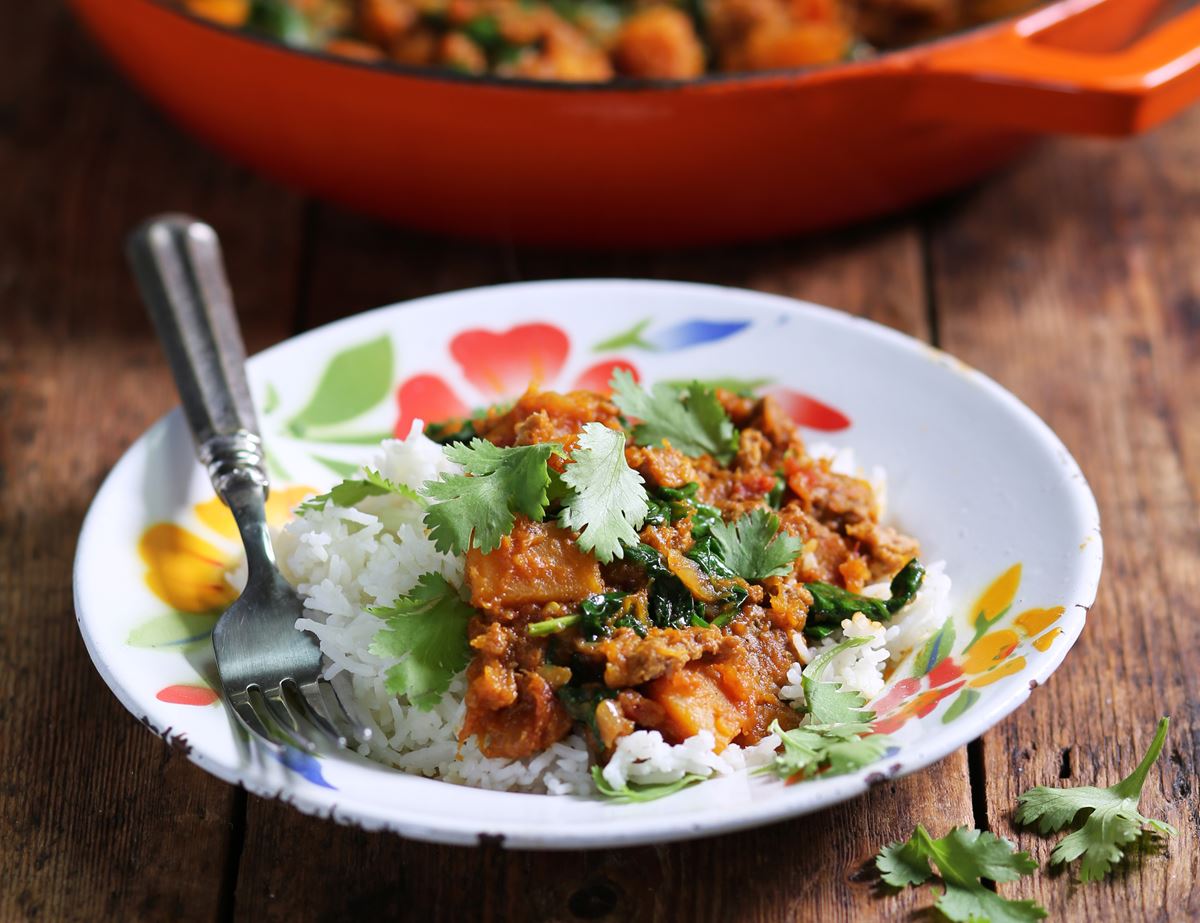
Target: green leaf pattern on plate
<point x="174" y="629"/>
<point x="935" y="650"/>
<point x="355" y="380"/>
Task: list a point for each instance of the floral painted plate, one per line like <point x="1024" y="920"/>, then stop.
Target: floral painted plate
<point x="973" y="473"/>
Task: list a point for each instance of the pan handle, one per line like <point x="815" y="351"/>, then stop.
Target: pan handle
<point x="1025" y="75"/>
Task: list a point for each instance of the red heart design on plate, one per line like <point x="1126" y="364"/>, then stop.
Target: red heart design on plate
<point x="427" y="398"/>
<point x="597" y="377"/>
<point x="808" y="411"/>
<point x="503" y="365"/>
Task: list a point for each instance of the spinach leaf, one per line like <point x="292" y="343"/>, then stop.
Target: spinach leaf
<point x="598" y="613"/>
<point x="904" y="585"/>
<point x="832" y="604"/>
<point x="595" y="617"/>
<point x="581" y="701"/>
<point x="775" y="495"/>
<point x="448" y="432"/>
<point x="281" y="21"/>
<point x="668" y="505"/>
<point x="671" y="602"/>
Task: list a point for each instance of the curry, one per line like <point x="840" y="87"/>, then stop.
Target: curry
<point x="743" y="556"/>
<point x="600" y="40"/>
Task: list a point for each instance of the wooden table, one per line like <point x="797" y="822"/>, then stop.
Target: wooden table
<point x="1073" y="279"/>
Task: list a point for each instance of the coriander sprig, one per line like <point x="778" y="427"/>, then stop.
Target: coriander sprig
<point x="427" y="630"/>
<point x="608" y="501"/>
<point x="476" y="509"/>
<point x="1111" y="819"/>
<point x="690" y="418"/>
<point x="355" y="490"/>
<point x="963" y="858"/>
<point x="837" y="738"/>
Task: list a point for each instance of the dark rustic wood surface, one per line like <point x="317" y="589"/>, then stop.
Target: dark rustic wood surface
<point x="1072" y="278"/>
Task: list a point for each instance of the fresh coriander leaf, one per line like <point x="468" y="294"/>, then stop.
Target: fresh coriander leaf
<point x="476" y="509"/>
<point x="354" y="490"/>
<point x="837" y="738"/>
<point x="832" y="604"/>
<point x="1112" y="822"/>
<point x="902" y="864"/>
<point x="753" y="547"/>
<point x="428" y="630"/>
<point x="633" y="792"/>
<point x="963" y="857"/>
<point x="691" y="418"/>
<point x="845" y="756"/>
<point x="831" y="703"/>
<point x="826" y="749"/>
<point x="608" y="501"/>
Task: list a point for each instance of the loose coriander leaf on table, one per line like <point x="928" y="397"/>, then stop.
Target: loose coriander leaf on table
<point x="1113" y="819"/>
<point x="428" y="630"/>
<point x="753" y="547"/>
<point x="475" y="509"/>
<point x="354" y="490"/>
<point x="608" y="500"/>
<point x="963" y="857"/>
<point x="690" y="418"/>
<point x="902" y="864"/>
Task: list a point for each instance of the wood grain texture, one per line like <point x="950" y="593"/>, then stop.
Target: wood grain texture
<point x="1074" y="281"/>
<point x="99" y="819"/>
<point x="809" y="868"/>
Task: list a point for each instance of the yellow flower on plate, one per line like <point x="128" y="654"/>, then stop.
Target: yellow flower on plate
<point x="1007" y="668"/>
<point x="187" y="571"/>
<point x="989" y="651"/>
<point x="997" y="598"/>
<point x="280" y="503"/>
<point x="1032" y="621"/>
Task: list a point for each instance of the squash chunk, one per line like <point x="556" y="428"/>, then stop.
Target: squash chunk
<point x="537" y="562"/>
<point x="693" y="702"/>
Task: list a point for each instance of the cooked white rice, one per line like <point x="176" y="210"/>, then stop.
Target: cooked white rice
<point x="346" y="560"/>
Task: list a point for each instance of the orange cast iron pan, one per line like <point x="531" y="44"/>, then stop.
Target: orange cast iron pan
<point x="718" y="159"/>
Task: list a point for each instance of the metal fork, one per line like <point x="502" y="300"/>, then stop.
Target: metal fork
<point x="270" y="672"/>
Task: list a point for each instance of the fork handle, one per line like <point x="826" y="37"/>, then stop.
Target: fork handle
<point x="177" y="263"/>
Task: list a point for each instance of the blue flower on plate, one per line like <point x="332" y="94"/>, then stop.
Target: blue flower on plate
<point x="303" y="764"/>
<point x="672" y="337"/>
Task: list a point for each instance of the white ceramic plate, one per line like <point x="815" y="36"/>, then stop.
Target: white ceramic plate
<point x="974" y="474"/>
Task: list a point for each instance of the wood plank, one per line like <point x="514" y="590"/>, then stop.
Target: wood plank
<point x="98" y="818"/>
<point x="809" y="868"/>
<point x="1074" y="281"/>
